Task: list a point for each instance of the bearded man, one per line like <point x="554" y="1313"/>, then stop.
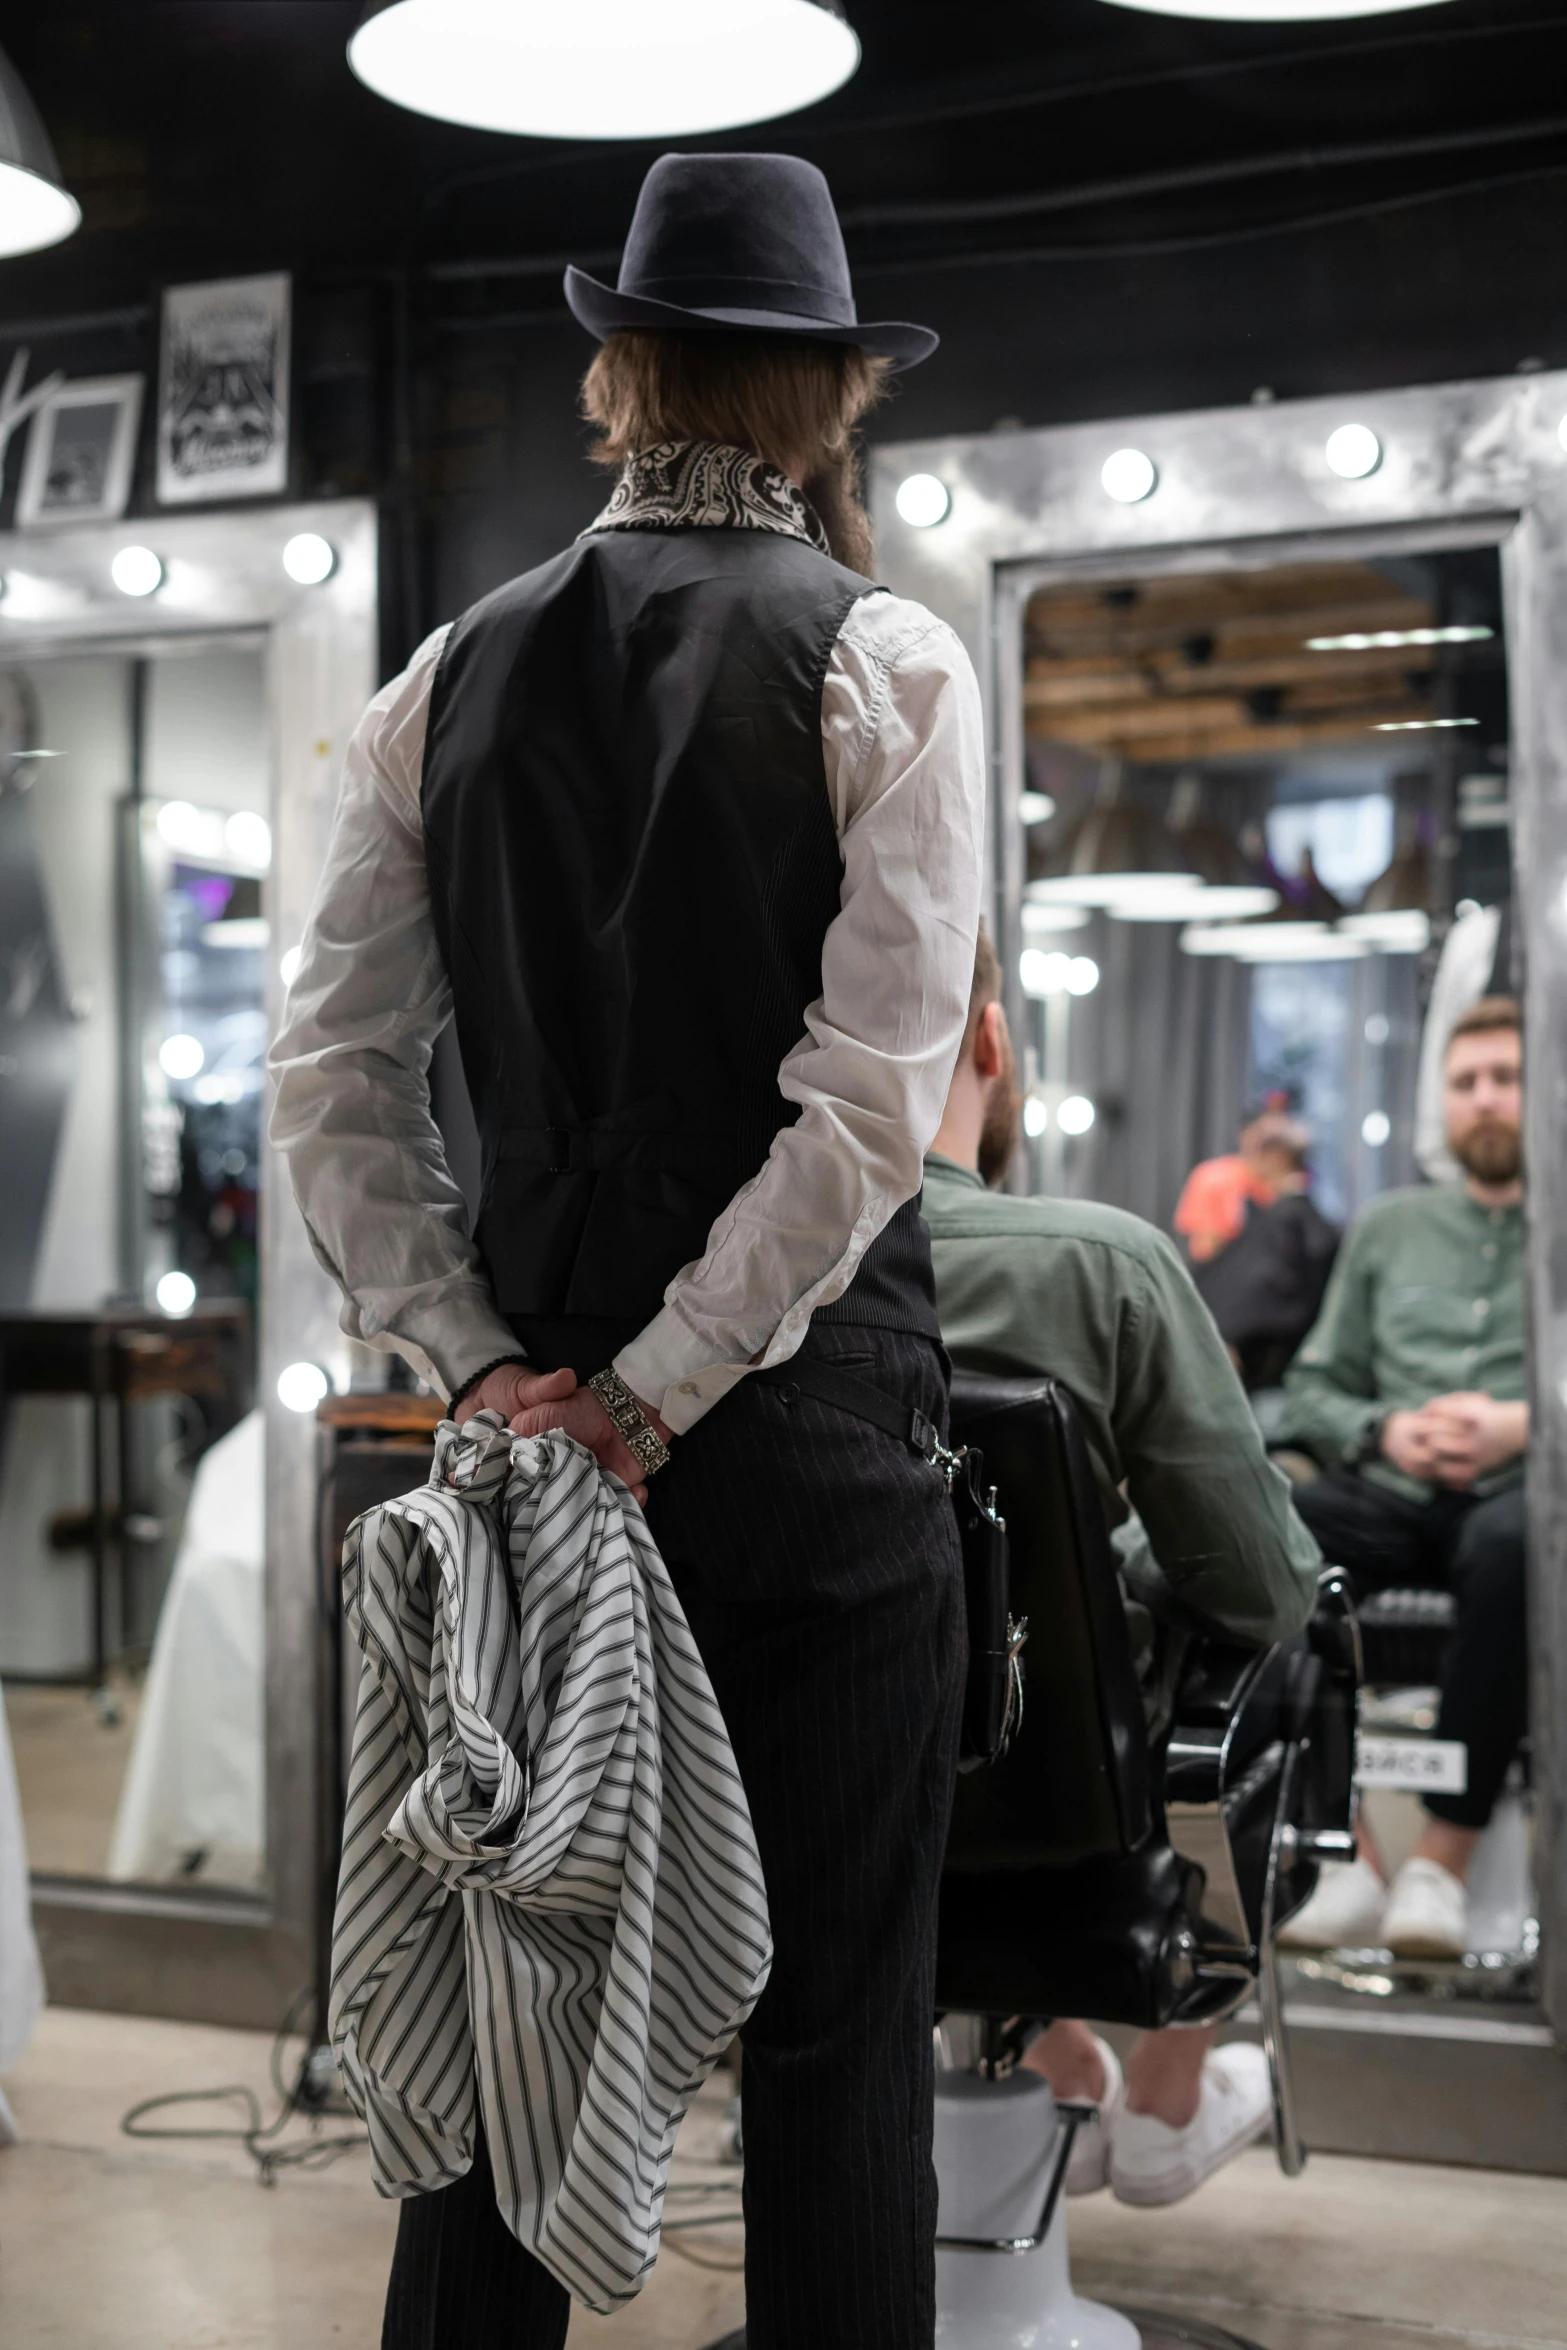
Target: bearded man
<point x="684" y="828"/>
<point x="1410" y="1390"/>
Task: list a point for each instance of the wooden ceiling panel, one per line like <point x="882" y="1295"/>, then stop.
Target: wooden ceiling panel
<point x="1186" y="667"/>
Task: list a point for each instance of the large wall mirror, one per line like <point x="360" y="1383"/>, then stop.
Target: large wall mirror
<point x="170" y="741"/>
<point x="1277" y="720"/>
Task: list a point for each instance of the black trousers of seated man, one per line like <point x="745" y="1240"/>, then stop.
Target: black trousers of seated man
<point x="1386" y="1541"/>
<point x="818" y="1565"/>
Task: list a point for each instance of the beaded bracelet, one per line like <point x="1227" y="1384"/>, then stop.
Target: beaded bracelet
<point x="479" y="1378"/>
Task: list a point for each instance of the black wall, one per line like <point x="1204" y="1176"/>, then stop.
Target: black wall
<point x="1103" y="213"/>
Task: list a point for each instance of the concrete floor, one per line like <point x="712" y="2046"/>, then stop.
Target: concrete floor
<point x="105" y="2241"/>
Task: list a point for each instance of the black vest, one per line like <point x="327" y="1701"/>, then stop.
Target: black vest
<point x="632" y="865"/>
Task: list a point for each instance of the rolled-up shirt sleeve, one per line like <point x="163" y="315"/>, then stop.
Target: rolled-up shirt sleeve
<point x="352" y="1066"/>
<point x="904" y="744"/>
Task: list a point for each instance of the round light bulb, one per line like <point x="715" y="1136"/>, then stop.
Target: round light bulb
<point x="191" y="831"/>
<point x="1076" y="1114"/>
<point x="1043" y="973"/>
<point x="301" y="1386"/>
<point x="1082" y="975"/>
<point x="1353" y="451"/>
<point x="1036" y="1118"/>
<point x="1129" y="476"/>
<point x="288" y="964"/>
<point x="175" y="1293"/>
<point x="248" y="839"/>
<point x="181" y="1057"/>
<point x="136" y="571"/>
<point x="1375" y="1127"/>
<point x="309" y="558"/>
<point x="604" y="69"/>
<point x="923" y="501"/>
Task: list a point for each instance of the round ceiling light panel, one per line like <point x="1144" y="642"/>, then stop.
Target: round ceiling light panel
<point x="1272" y="11"/>
<point x="604" y="69"/>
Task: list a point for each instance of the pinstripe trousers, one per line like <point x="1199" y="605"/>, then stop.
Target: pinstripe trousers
<point x="817" y="1562"/>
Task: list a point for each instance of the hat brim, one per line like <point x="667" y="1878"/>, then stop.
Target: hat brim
<point x="605" y="311"/>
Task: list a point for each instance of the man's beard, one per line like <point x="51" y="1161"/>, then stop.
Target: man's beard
<point x="1491" y="1151"/>
<point x="998" y="1136"/>
<point x="834" y="492"/>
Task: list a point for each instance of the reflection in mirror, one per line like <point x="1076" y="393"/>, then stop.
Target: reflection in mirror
<point x="1267" y="859"/>
<point x="134" y="851"/>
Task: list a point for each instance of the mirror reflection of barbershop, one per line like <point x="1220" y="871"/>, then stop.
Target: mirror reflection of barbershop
<point x="135" y="847"/>
<point x="1265" y="865"/>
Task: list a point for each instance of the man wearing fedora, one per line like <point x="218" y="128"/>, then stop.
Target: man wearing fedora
<point x="683" y="828"/>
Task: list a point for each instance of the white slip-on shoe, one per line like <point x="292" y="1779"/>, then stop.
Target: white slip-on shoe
<point x="1427" y="1913"/>
<point x="1151" y="2163"/>
<point x="1088" y="2165"/>
<point x="1344" y="1913"/>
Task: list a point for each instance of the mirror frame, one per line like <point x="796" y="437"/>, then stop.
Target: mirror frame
<point x="230" y="1957"/>
<point x="1463" y="464"/>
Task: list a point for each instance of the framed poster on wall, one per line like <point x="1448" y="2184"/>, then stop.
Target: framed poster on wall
<point x="81" y="447"/>
<point x="223" y="390"/>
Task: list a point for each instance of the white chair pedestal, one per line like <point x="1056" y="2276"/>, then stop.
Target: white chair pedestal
<point x="997" y="2150"/>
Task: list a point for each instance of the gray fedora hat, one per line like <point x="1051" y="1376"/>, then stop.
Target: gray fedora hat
<point x="738" y="241"/>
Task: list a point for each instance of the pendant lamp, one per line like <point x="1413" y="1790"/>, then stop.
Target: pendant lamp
<point x="36" y="208"/>
<point x="604" y="69"/>
<point x="1116" y="850"/>
<point x="1272" y="11"/>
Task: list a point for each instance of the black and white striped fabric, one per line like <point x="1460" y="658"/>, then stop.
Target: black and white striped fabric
<point x="550" y="1895"/>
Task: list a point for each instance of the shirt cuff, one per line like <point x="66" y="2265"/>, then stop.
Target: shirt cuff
<point x="671" y="1367"/>
<point x="453" y="1337"/>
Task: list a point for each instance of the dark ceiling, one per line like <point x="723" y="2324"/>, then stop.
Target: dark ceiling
<point x="216" y="135"/>
<point x="1104" y="212"/>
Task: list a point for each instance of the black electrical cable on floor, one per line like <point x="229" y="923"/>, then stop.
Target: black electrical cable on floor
<point x="256" y="2135"/>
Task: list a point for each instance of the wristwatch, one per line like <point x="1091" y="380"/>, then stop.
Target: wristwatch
<point x="1370" y="1442"/>
<point x="642" y="1439"/>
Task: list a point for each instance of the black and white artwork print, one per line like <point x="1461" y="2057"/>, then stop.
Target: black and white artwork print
<point x="81" y="447"/>
<point x="223" y="391"/>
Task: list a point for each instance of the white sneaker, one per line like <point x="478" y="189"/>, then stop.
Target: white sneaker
<point x="1088" y="2165"/>
<point x="1151" y="2163"/>
<point x="1427" y="1913"/>
<point x="1344" y="1913"/>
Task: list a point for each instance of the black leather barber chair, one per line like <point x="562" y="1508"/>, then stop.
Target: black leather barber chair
<point x="1095" y="1872"/>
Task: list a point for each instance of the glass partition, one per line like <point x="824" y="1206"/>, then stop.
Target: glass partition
<point x="135" y="846"/>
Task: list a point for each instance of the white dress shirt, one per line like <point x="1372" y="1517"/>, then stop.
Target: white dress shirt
<point x="903" y="742"/>
<point x="550" y="1908"/>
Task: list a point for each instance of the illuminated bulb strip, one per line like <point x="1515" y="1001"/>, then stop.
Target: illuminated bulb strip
<point x="1419" y="725"/>
<point x="1385" y="639"/>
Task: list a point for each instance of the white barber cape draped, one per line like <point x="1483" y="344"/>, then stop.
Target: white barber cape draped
<point x="550" y="1894"/>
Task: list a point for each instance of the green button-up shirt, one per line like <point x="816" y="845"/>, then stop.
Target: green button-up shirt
<point x="1101" y="1301"/>
<point x="1426" y="1299"/>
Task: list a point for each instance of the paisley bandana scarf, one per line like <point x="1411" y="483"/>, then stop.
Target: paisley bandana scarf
<point x="704" y="485"/>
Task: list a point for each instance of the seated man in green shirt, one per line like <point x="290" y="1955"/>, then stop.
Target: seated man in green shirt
<point x="1410" y="1391"/>
<point x="1101" y="1301"/>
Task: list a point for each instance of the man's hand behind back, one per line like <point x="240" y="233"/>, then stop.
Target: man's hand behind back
<point x="1456" y="1439"/>
<point x="532" y="1401"/>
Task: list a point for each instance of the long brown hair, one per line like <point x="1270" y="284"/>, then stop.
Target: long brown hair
<point x="792" y="402"/>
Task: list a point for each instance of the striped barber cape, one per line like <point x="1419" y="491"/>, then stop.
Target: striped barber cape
<point x="550" y="1897"/>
